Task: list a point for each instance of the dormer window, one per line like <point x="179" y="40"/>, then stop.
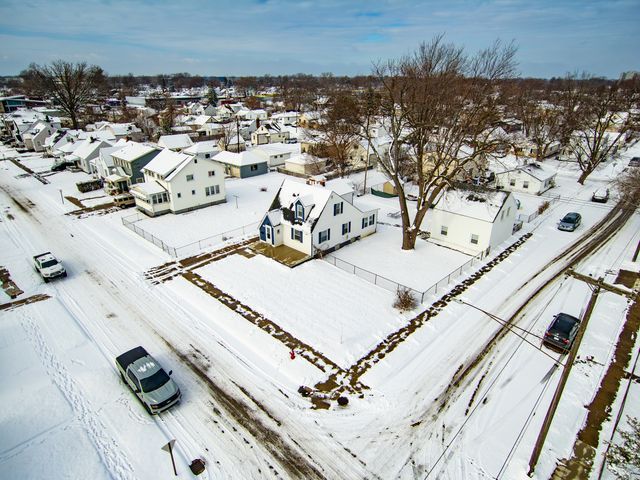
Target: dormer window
<point x="299" y="211"/>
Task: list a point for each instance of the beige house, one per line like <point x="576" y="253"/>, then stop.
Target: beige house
<point x="305" y="164"/>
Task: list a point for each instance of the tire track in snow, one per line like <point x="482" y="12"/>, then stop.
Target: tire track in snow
<point x="112" y="456"/>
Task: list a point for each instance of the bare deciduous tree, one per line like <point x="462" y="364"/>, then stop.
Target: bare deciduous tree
<point x="440" y="108"/>
<point x="624" y="458"/>
<point x="339" y="129"/>
<point x="71" y="85"/>
<point x="542" y="118"/>
<point x="603" y="118"/>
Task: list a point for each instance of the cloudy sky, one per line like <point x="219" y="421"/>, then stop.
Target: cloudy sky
<point x="256" y="37"/>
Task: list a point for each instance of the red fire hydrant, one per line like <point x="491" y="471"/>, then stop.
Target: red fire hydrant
<point x="292" y="354"/>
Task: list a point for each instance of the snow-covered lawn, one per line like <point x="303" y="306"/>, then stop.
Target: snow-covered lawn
<point x="313" y="302"/>
<point x="246" y="204"/>
<point x="418" y="269"/>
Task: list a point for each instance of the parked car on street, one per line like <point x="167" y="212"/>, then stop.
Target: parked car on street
<point x="124" y="200"/>
<point x="570" y="222"/>
<point x="562" y="332"/>
<point x="600" y="196"/>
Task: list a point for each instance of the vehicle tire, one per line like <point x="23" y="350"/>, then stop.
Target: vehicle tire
<point x="46" y="280"/>
<point x="64" y="274"/>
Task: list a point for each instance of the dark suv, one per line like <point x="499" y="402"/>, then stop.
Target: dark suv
<point x="570" y="222"/>
<point x="562" y="332"/>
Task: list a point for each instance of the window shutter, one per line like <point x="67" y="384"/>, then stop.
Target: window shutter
<point x="329" y="234"/>
<point x="292" y="234"/>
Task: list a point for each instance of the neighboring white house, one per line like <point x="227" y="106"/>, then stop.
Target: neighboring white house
<point x="86" y="151"/>
<point x="178" y="182"/>
<point x="285" y="118"/>
<point x="177" y="143"/>
<point x="105" y="168"/>
<point x="532" y="178"/>
<point x="312" y="218"/>
<point x="269" y="133"/>
<point x="277" y="153"/>
<point x="123" y="131"/>
<point x="472" y="221"/>
<point x="203" y="150"/>
<point x="34" y="138"/>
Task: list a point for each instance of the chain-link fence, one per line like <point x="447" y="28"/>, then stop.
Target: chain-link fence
<point x="394" y="286"/>
<point x="193" y="247"/>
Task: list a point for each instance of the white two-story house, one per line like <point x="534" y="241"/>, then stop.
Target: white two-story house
<point x="313" y="218"/>
<point x="178" y="182"/>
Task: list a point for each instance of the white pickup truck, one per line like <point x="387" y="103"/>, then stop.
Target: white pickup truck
<point x="151" y="384"/>
<point x="48" y="266"/>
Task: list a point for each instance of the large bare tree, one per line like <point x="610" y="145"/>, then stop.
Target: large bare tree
<point x="440" y="109"/>
<point x="71" y="85"/>
<point x="339" y="131"/>
<point x="604" y="119"/>
<point x="541" y="117"/>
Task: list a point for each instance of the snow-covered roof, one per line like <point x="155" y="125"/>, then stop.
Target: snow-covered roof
<point x="239" y="159"/>
<point x="483" y="205"/>
<point x="105" y="155"/>
<point x="536" y="170"/>
<point x="313" y="197"/>
<point x="68" y="147"/>
<point x="38" y="127"/>
<point x="167" y="161"/>
<point x="303" y="159"/>
<point x="120" y="129"/>
<point x="201" y="119"/>
<point x="147" y="188"/>
<point x="209" y="146"/>
<point x="341" y="186"/>
<point x="133" y="150"/>
<point x="88" y="146"/>
<point x="181" y="140"/>
<point x="277" y="148"/>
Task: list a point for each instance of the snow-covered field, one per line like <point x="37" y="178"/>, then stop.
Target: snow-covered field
<point x="67" y="415"/>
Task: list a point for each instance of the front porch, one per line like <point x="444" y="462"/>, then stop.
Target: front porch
<point x="282" y="254"/>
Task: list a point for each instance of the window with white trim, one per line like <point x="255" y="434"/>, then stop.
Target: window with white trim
<point x="189" y="178"/>
<point x="444" y="230"/>
<point x="324" y="236"/>
<point x="296" y="235"/>
<point x="338" y="208"/>
<point x="525" y="184"/>
<point x="474" y="238"/>
<point x="212" y="173"/>
<point x="346" y="228"/>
